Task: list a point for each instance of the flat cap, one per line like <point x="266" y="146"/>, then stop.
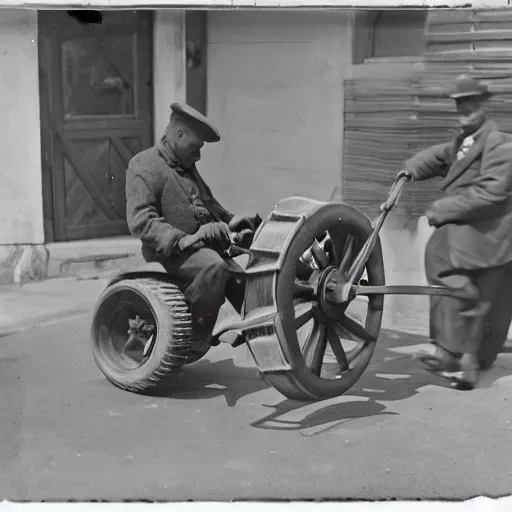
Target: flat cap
<point x="196" y="121"/>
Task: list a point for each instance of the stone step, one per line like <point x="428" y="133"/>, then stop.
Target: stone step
<point x="93" y="258"/>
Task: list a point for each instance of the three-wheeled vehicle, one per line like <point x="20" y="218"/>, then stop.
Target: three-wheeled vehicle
<point x="312" y="312"/>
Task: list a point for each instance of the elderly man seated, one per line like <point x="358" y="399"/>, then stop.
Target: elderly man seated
<point x="182" y="226"/>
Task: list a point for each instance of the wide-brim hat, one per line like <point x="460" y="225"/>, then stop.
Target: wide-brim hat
<point x="466" y="86"/>
<point x="196" y="121"/>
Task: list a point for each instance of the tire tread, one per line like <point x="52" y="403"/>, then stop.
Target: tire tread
<point x="174" y="330"/>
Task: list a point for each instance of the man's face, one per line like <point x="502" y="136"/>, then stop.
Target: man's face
<point x="187" y="146"/>
<point x="467" y="107"/>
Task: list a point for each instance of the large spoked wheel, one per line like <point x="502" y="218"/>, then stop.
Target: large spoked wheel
<point x="142" y="333"/>
<point x="318" y="345"/>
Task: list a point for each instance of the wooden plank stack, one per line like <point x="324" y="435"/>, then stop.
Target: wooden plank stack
<point x="480" y="44"/>
<point x="381" y="132"/>
<point x="387" y="121"/>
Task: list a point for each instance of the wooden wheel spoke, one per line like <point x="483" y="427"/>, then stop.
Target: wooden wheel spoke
<point x="310" y="345"/>
<point x="304" y="312"/>
<point x="337" y="347"/>
<point x="347" y="253"/>
<point x="318" y="353"/>
<point x="356" y="328"/>
<point x="321" y="257"/>
<point x="359" y="264"/>
<point x="337" y="238"/>
<point x="302" y="288"/>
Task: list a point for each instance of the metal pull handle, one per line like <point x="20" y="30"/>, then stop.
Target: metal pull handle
<point x="395" y="192"/>
<point x="357" y="267"/>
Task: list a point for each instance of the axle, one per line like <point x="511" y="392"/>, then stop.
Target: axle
<point x="412" y="290"/>
<point x="345" y="292"/>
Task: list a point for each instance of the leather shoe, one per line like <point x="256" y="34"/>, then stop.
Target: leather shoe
<point x="466" y="378"/>
<point x="469" y="374"/>
<point x="439" y="359"/>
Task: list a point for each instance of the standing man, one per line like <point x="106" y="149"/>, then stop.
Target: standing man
<point x="180" y="223"/>
<point x="472" y="244"/>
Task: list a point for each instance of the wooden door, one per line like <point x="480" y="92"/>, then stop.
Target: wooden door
<point x="96" y="113"/>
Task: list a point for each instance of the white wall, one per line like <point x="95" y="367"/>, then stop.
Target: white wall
<point x="21" y="199"/>
<point x="275" y="91"/>
<point x="169" y="64"/>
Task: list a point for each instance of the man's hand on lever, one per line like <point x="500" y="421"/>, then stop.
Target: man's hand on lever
<point x="214" y="234"/>
<point x="404" y="174"/>
<point x="220" y="236"/>
<point x="242" y="238"/>
<point x="243" y="228"/>
<point x="243" y="222"/>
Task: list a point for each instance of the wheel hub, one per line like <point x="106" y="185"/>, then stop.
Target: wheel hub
<point x="141" y="333"/>
<point x="334" y="294"/>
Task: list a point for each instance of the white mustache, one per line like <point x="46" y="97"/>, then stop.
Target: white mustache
<point x="464" y="120"/>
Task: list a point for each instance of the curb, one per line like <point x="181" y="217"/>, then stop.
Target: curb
<point x="24" y="263"/>
<point x="46" y="321"/>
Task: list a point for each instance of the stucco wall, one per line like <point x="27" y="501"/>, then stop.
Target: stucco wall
<point x="275" y="91"/>
<point x="169" y="64"/>
<point x="21" y="203"/>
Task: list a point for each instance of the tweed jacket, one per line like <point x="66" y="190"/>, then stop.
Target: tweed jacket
<point x="164" y="202"/>
<point x="476" y="210"/>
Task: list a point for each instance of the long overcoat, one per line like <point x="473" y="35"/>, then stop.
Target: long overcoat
<point x="163" y="203"/>
<point x="476" y="210"/>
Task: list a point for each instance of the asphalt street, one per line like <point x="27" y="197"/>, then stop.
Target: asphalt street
<point x="221" y="433"/>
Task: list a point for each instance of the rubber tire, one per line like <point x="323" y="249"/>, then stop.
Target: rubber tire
<point x="175" y="344"/>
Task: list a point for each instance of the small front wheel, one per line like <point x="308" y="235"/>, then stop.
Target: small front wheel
<point x="142" y="333"/>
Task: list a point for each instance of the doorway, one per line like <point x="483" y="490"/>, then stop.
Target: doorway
<point x="96" y="113"/>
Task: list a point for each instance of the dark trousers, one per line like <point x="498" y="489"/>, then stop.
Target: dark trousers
<point x="498" y="321"/>
<point x="207" y="279"/>
<point x="482" y="335"/>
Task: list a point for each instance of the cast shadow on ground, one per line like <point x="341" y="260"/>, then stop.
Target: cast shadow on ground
<point x="329" y="416"/>
<point x="390" y="376"/>
<point x="206" y="379"/>
<point x="393" y="373"/>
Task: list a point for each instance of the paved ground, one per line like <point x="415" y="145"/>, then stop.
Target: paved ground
<point x="221" y="433"/>
<point x="38" y="303"/>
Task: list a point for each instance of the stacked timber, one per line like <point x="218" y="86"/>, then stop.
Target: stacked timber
<point x="387" y="121"/>
<point x="381" y="132"/>
<point x="475" y="42"/>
